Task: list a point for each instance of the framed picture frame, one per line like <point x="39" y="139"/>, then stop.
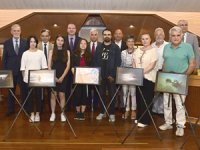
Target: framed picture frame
<point x="6" y="79"/>
<point x="87" y="75"/>
<point x="129" y="76"/>
<point x="41" y="78"/>
<point x="171" y="83"/>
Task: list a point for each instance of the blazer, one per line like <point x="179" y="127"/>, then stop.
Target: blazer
<point x="192" y="39"/>
<point x="10" y="60"/>
<point x="77" y="39"/>
<point x="123" y="46"/>
<point x="50" y="46"/>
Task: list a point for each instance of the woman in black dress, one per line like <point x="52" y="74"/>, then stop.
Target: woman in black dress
<point x="59" y="60"/>
<point x="81" y="58"/>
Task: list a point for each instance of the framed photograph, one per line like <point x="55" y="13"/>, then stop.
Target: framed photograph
<point x="87" y="75"/>
<point x="6" y="79"/>
<point x="41" y="78"/>
<point x="171" y="83"/>
<point x="129" y="76"/>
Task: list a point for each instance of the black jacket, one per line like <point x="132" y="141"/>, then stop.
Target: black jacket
<point x="113" y="61"/>
<point x="10" y="60"/>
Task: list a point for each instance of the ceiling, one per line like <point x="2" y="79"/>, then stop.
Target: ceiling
<point x="32" y="24"/>
<point x="136" y="5"/>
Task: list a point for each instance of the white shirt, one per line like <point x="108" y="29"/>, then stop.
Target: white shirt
<point x="32" y="61"/>
<point x="47" y="46"/>
<point x="127" y="59"/>
<point x="160" y="49"/>
<point x="14" y="42"/>
<point x="95" y="45"/>
<point x="185" y="37"/>
<point x="119" y="43"/>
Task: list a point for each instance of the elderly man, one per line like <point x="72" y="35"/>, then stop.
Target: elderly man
<point x="12" y="52"/>
<point x="159" y="45"/>
<point x="178" y="58"/>
<point x="191" y="39"/>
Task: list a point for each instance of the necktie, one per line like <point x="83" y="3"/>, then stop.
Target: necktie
<point x="45" y="50"/>
<point x="93" y="49"/>
<point x="16" y="46"/>
<point x="71" y="44"/>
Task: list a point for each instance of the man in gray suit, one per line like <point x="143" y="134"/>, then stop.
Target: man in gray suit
<point x="191" y="39"/>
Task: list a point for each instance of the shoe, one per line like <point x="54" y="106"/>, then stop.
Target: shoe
<point x="32" y="118"/>
<point x="37" y="118"/>
<point x="100" y="116"/>
<point x="62" y="117"/>
<point x="82" y="116"/>
<point x="125" y="115"/>
<point x="133" y="115"/>
<point x="77" y="116"/>
<point x="141" y="125"/>
<point x="53" y="117"/>
<point x="112" y="118"/>
<point x="165" y="127"/>
<point x="179" y="131"/>
<point x="135" y="121"/>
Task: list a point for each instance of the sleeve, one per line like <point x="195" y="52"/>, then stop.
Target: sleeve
<point x="196" y="51"/>
<point x="44" y="61"/>
<point x="23" y="62"/>
<point x="4" y="57"/>
<point x="190" y="52"/>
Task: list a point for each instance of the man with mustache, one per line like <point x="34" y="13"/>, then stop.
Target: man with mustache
<point x="108" y="57"/>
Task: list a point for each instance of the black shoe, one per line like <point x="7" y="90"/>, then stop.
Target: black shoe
<point x="82" y="116"/>
<point x="9" y="113"/>
<point x="77" y="116"/>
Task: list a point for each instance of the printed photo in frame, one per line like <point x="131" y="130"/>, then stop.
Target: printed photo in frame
<point x="87" y="75"/>
<point x="6" y="79"/>
<point x="129" y="76"/>
<point x="171" y="83"/>
<point x="41" y="78"/>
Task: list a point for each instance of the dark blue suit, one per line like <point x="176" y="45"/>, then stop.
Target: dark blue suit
<point x="69" y="75"/>
<point x="12" y="61"/>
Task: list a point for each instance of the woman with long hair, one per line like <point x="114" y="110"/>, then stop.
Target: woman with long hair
<point x="81" y="58"/>
<point x="59" y="60"/>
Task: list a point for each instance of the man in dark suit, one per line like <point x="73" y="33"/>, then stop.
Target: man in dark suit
<point x="45" y="45"/>
<point x="12" y="52"/>
<point x="71" y="42"/>
<point x="92" y="45"/>
<point x="118" y="39"/>
<point x="190" y="39"/>
<point x="71" y="39"/>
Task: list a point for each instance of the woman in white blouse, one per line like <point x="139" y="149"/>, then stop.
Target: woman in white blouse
<point x="146" y="58"/>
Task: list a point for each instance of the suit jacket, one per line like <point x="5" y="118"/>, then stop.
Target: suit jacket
<point x="192" y="39"/>
<point x="77" y="39"/>
<point x="89" y="48"/>
<point x="10" y="60"/>
<point x="123" y="46"/>
<point x="50" y="47"/>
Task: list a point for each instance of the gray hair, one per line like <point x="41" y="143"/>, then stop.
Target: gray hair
<point x="159" y="29"/>
<point x="177" y="29"/>
<point x="93" y="30"/>
<point x="15" y="25"/>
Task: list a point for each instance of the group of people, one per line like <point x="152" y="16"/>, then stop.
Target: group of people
<point x="71" y="51"/>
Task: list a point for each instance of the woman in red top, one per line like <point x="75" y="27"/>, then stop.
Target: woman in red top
<point x="81" y="58"/>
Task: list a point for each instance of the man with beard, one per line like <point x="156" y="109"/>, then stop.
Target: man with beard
<point x="108" y="57"/>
